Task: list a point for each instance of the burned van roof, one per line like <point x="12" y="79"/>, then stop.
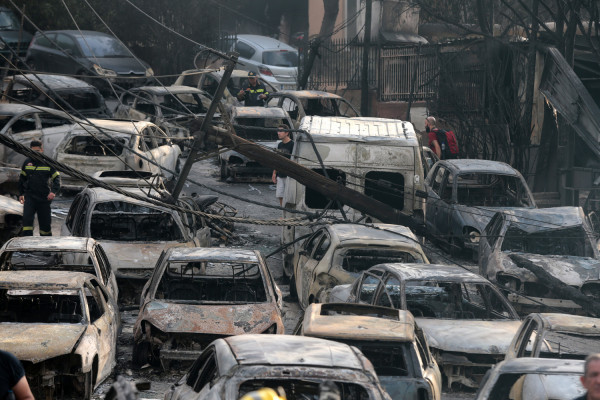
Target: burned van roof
<point x="540" y="219"/>
<point x="292" y="350"/>
<point x="212" y="254"/>
<point x="360" y="129"/>
<point x="48" y="243"/>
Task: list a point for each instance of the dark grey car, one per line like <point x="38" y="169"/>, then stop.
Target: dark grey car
<point x="463" y="195"/>
<point x="87" y="53"/>
<point x="14" y="40"/>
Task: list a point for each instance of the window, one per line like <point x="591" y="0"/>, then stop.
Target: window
<point x="386" y="187"/>
<point x="24" y="124"/>
<point x="356" y="260"/>
<point x="436" y="185"/>
<point x="102" y="46"/>
<point x="280" y="58"/>
<point x="492" y="190"/>
<point x="147" y="137"/>
<point x="45" y="41"/>
<point x="391" y="296"/>
<point x="50" y="120"/>
<point x="207" y="372"/>
<point x="368" y="287"/>
<point x="446" y="190"/>
<point x="95" y="304"/>
<point x="72" y="212"/>
<point x="245" y="51"/>
<point x="103" y="263"/>
<point x="209" y="84"/>
<point x="316" y="200"/>
<point x="66" y="43"/>
<point x="98" y="146"/>
<point x="81" y="219"/>
<point x="493" y="229"/>
<point x="322" y="248"/>
<point x="312" y="242"/>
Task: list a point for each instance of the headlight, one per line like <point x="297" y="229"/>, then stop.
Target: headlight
<point x="472" y="236"/>
<point x="104" y="72"/>
<point x="149" y="72"/>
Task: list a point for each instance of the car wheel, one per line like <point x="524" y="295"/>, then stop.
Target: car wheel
<point x="141" y="354"/>
<point x="224" y="174"/>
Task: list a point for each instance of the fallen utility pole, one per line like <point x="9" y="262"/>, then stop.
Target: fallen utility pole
<point x="198" y="143"/>
<point x="315" y="181"/>
<point x="563" y="290"/>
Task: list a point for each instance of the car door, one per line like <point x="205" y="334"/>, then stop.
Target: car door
<point x="169" y="153"/>
<point x="524" y="343"/>
<point x="433" y="198"/>
<point x="63" y="59"/>
<point x="80" y="223"/>
<point x="67" y="227"/>
<point x="445" y="207"/>
<point x="105" y="327"/>
<point x="109" y="281"/>
<point x="302" y="277"/>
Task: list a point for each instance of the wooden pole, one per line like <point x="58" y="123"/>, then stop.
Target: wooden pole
<point x="364" y="82"/>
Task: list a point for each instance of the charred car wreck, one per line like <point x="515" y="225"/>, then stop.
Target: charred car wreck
<point x="560" y="240"/>
<point x="198" y="295"/>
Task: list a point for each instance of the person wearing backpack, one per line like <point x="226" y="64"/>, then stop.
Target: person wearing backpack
<point x="443" y="143"/>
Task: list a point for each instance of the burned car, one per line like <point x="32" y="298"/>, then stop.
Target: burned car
<point x="533" y="378"/>
<point x="389" y="338"/>
<point x="172" y="108"/>
<point x="559" y="240"/>
<point x="63" y="326"/>
<point x="116" y="145"/>
<point x="133" y="233"/>
<point x="337" y="254"/>
<point x="198" y="295"/>
<point x="249" y="123"/>
<point x="300" y="103"/>
<point x="553" y="335"/>
<point x="60" y="253"/>
<point x="56" y="91"/>
<point x="468" y="322"/>
<point x="234" y="366"/>
<point x="11" y="218"/>
<point x="24" y="123"/>
<point x="463" y="195"/>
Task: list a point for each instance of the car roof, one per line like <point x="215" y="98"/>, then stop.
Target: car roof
<point x="212" y="254"/>
<point x="54" y="82"/>
<point x="17" y="108"/>
<point x="259" y="112"/>
<point x="112" y="126"/>
<point x="360" y="128"/>
<point x="540" y="219"/>
<point x="571" y="323"/>
<point x="43" y="280"/>
<point x="292" y="350"/>
<point x="343" y="324"/>
<point x="357" y="232"/>
<point x="265" y="42"/>
<point x="432" y="271"/>
<point x="102" y="195"/>
<point x="463" y="166"/>
<point x="50" y="243"/>
<point x="309" y="94"/>
<point x="540" y="365"/>
<point x="163" y="90"/>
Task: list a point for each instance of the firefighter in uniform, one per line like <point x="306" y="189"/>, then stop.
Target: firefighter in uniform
<point x="253" y="93"/>
<point x="38" y="185"/>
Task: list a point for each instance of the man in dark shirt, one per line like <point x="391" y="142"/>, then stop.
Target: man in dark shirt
<point x="253" y="93"/>
<point x="285" y="147"/>
<point x="12" y="378"/>
<point x="38" y="185"/>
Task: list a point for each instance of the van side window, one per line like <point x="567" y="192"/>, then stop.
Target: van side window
<point x="387" y="187"/>
<point x="314" y="199"/>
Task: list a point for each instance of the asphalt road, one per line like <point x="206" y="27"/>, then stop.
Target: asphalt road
<point x="263" y="238"/>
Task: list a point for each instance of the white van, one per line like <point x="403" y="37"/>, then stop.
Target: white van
<point x="375" y="156"/>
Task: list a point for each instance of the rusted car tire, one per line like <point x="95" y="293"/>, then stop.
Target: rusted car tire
<point x="141" y="354"/>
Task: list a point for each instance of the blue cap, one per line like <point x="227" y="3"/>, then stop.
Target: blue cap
<point x="251" y="74"/>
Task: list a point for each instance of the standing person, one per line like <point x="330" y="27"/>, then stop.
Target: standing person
<point x="591" y="378"/>
<point x="38" y="185"/>
<point x="285" y="147"/>
<point x="443" y="143"/>
<point x="253" y="93"/>
<point x="13" y="383"/>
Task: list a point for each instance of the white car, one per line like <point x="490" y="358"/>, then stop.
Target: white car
<point x="114" y="146"/>
<point x="275" y="61"/>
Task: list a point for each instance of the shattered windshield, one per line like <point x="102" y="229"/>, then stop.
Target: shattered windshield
<point x="207" y="281"/>
<point x="303" y="389"/>
<point x="356" y="260"/>
<point x="41" y="306"/>
<point x="185" y="103"/>
<point x="492" y="190"/>
<point x="102" y="46"/>
<point x="44" y="260"/>
<point x="388" y="359"/>
<point x="452" y="300"/>
<point x="250" y="128"/>
<point x="8" y="21"/>
<point x="560" y="242"/>
<point x="123" y="221"/>
<point x="104" y="146"/>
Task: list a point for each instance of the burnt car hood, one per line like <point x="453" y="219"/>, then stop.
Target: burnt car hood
<point x="574" y="271"/>
<point x="479" y="217"/>
<point x="214" y="319"/>
<point x="469" y="336"/>
<point x="134" y="255"/>
<point x="121" y="65"/>
<point x="39" y="342"/>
